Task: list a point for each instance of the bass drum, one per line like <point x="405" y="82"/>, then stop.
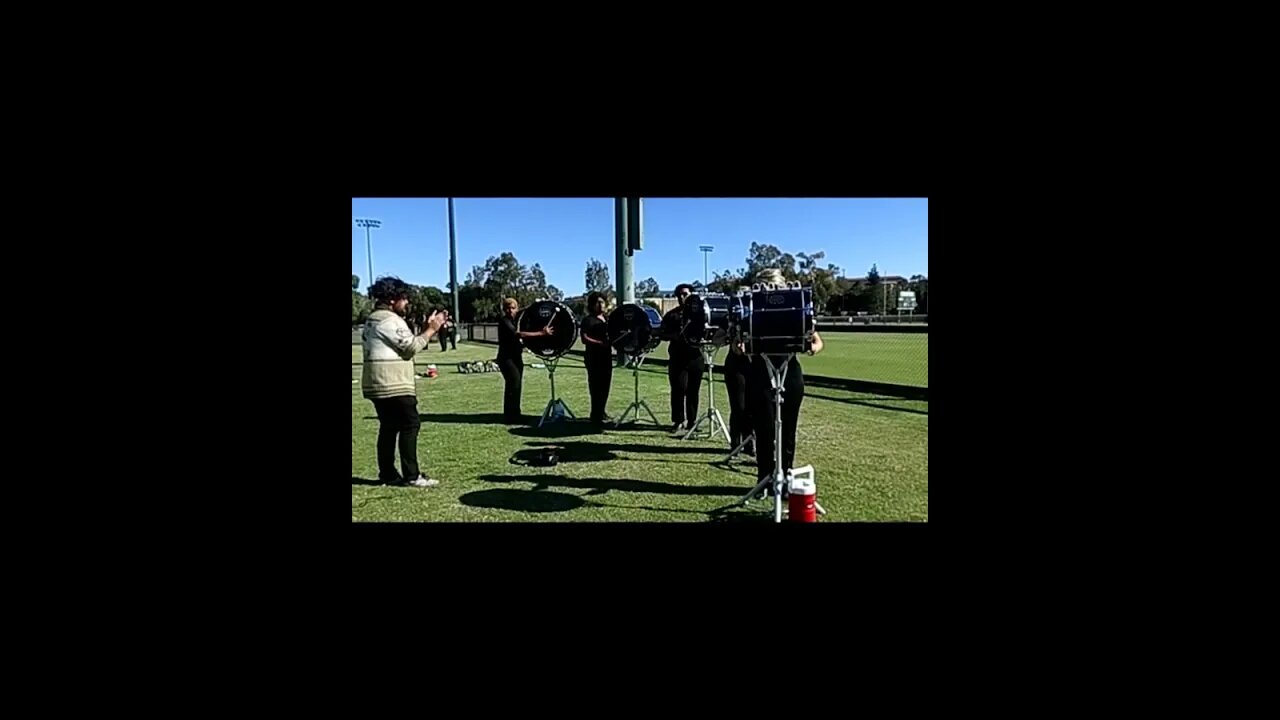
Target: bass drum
<point x="706" y="319"/>
<point x="634" y="328"/>
<point x="781" y="321"/>
<point x="543" y="313"/>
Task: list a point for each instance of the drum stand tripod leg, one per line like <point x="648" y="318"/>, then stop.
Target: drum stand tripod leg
<point x="556" y="408"/>
<point x="637" y="404"/>
<point x="742" y="445"/>
<point x="777" y="480"/>
<point x="712" y="415"/>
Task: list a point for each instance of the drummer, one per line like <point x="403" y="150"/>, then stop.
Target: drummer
<point x="760" y="395"/>
<point x="595" y="336"/>
<point x="510" y="361"/>
<point x="684" y="365"/>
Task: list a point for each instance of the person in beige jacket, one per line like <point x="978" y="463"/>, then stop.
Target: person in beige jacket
<point x="387" y="379"/>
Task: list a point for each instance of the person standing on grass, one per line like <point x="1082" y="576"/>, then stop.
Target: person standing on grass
<point x="684" y="367"/>
<point x="511" y="361"/>
<point x="448" y="333"/>
<point x="760" y="405"/>
<point x="387" y="379"/>
<point x="598" y="356"/>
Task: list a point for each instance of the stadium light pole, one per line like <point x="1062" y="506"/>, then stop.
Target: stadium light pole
<point x="706" y="252"/>
<point x="367" y="224"/>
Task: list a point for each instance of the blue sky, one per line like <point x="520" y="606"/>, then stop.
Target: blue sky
<point x="562" y="234"/>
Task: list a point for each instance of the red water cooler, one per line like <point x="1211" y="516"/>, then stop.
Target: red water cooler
<point x="803" y="504"/>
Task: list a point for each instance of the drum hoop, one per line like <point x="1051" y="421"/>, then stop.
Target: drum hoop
<point x="559" y="308"/>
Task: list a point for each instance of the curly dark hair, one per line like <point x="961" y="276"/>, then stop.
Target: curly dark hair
<point x="682" y="286"/>
<point x="388" y="289"/>
<point x="592" y="297"/>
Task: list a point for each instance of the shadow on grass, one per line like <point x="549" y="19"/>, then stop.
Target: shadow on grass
<point x="541" y="501"/>
<point x="600" y="486"/>
<point x="742" y="516"/>
<point x="563" y="428"/>
<point x="635" y="426"/>
<point x="466" y="418"/>
<point x="569" y="452"/>
<point x="853" y="401"/>
<point x="569" y="428"/>
<point x="522" y="500"/>
<point x="587" y="447"/>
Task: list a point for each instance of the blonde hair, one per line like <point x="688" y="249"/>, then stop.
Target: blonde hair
<point x="510" y="304"/>
<point x="770" y="275"/>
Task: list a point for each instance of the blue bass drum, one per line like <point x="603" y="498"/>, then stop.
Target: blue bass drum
<point x="778" y="321"/>
<point x="634" y="328"/>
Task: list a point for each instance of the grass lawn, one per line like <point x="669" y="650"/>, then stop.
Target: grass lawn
<point x="871" y="453"/>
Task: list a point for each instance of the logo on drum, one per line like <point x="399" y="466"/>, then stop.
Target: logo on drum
<point x="544" y="312"/>
<point x="775" y="300"/>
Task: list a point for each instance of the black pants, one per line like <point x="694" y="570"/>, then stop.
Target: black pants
<point x="513" y="376"/>
<point x="686" y="380"/>
<point x="451" y="337"/>
<point x="762" y="412"/>
<point x="397" y="419"/>
<point x="737" y="382"/>
<point x="599" y="380"/>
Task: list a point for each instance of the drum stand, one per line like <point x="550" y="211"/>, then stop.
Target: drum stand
<point x="779" y="481"/>
<point x="712" y="415"/>
<point x="738" y="450"/>
<point x="637" y="404"/>
<point x="556" y="409"/>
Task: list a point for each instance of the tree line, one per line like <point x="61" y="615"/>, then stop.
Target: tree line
<point x="502" y="276"/>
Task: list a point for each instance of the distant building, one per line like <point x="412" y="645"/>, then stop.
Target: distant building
<point x="884" y="280"/>
<point x="665" y="302"/>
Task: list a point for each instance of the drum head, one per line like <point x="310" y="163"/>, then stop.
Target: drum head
<point x="780" y="321"/>
<point x="634" y="328"/>
<point x="706" y="319"/>
<point x="717" y="309"/>
<point x="563" y="326"/>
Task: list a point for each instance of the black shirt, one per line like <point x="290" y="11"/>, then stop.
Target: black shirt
<point x="678" y="349"/>
<point x="508" y="342"/>
<point x="596" y="329"/>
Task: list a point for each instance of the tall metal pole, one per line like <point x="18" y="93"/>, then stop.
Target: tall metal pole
<point x="368" y="224"/>
<point x="706" y="252"/>
<point x="622" y="256"/>
<point x="635" y="238"/>
<point x="453" y="262"/>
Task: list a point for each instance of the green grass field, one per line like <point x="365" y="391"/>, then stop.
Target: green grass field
<point x="871" y="453"/>
<point x="901" y="358"/>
